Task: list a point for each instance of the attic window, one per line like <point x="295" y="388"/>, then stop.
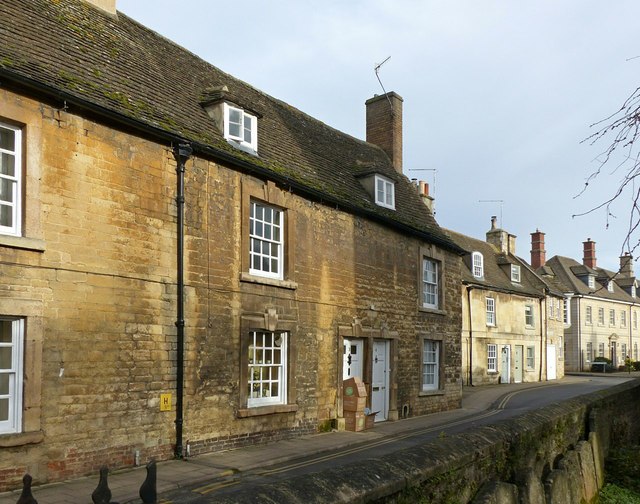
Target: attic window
<point x="385" y="192"/>
<point x="515" y="273"/>
<point x="241" y="128"/>
<point x="477" y="264"/>
<point x="591" y="282"/>
<point x="610" y="286"/>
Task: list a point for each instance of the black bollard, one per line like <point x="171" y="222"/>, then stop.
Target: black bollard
<point x="148" y="492"/>
<point x="102" y="494"/>
<point x="26" y="497"/>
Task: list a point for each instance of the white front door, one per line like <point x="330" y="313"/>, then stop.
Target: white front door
<point x="352" y="358"/>
<point x="380" y="380"/>
<point x="517" y="370"/>
<point x="551" y="362"/>
<point x="505" y="364"/>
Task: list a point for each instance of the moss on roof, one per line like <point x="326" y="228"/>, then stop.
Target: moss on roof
<point x="122" y="67"/>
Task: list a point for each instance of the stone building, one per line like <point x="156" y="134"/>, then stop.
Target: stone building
<point x="192" y="265"/>
<point x="512" y="326"/>
<point x="602" y="307"/>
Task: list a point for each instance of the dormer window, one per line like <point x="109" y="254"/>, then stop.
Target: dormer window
<point x="477" y="264"/>
<point x="591" y="282"/>
<point x="610" y="286"/>
<point x="633" y="291"/>
<point x="515" y="273"/>
<point x="240" y="128"/>
<point x="385" y="192"/>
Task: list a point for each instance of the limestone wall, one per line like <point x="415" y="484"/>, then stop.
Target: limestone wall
<point x="553" y="455"/>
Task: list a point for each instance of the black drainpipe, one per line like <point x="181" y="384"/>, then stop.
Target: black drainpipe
<point x="469" y="288"/>
<point x="182" y="153"/>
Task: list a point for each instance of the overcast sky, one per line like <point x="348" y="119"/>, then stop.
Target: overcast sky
<point x="498" y="94"/>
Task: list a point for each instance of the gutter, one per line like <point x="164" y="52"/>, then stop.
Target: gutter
<point x="544" y="300"/>
<point x="219" y="155"/>
<point x="182" y="153"/>
<point x="469" y="289"/>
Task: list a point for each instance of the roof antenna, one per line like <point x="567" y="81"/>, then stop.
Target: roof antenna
<point x="376" y="69"/>
<point x="494" y="201"/>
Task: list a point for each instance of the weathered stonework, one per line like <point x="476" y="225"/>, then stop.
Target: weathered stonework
<point x="94" y="277"/>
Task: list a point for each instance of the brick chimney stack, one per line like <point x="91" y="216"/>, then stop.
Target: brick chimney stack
<point x="626" y="265"/>
<point x="538" y="253"/>
<point x="384" y="125"/>
<point x="589" y="255"/>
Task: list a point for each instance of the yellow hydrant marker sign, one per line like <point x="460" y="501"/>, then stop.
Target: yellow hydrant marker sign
<point x="165" y="402"/>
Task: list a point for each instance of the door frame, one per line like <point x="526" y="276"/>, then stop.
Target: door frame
<point x="505" y="370"/>
<point x="383" y="414"/>
<point x="518" y="363"/>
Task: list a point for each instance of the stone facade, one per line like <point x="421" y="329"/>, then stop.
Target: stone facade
<point x="512" y="321"/>
<point x="602" y="309"/>
<point x="94" y="279"/>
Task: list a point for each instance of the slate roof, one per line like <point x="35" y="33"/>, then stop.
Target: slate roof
<point x="568" y="272"/>
<point x="118" y="69"/>
<point x="497" y="272"/>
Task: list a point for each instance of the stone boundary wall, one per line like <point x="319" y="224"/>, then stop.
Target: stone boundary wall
<point x="552" y="455"/>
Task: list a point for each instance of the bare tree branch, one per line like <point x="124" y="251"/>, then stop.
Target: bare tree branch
<point x="622" y="130"/>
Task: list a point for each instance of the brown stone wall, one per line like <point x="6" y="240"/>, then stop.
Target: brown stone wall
<point x="95" y="279"/>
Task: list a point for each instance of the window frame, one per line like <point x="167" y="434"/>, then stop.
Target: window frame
<point x="254" y="220"/>
<point x="492" y="358"/>
<point x="612" y="317"/>
<point x="477" y="264"/>
<point x="490" y="310"/>
<point x="530" y="358"/>
<point x="588" y="316"/>
<point x="282" y="379"/>
<point x="240" y="140"/>
<point x="433" y="282"/>
<point x="14" y="397"/>
<point x="623" y="318"/>
<point x="386" y="197"/>
<point x="435" y="363"/>
<point x="16" y="180"/>
<point x="591" y="282"/>
<point x="566" y="312"/>
<point x="529" y="316"/>
<point x="515" y="273"/>
<point x="589" y="351"/>
<point x="601" y="316"/>
<point x="600" y="349"/>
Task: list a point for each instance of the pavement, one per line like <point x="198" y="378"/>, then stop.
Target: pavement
<point x="173" y="474"/>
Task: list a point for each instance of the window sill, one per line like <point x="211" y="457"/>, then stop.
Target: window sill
<point x="20" y="242"/>
<point x="427" y="393"/>
<point x="284" y="284"/>
<point x="24" y="438"/>
<point x="267" y="410"/>
<point x="435" y="311"/>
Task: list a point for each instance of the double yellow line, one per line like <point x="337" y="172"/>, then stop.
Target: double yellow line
<point x="388" y="439"/>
